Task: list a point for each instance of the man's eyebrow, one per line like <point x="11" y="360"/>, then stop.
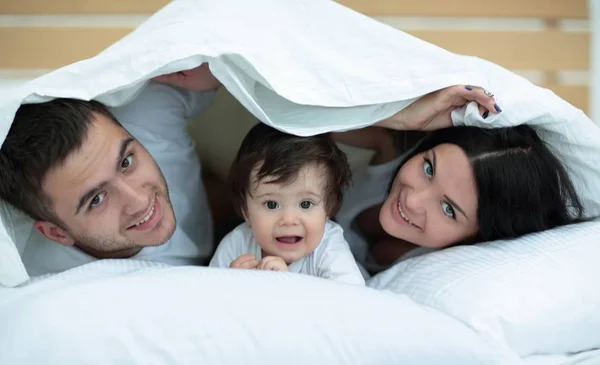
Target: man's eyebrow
<point x="452" y="202"/>
<point x="93" y="191"/>
<point x="124" y="144"/>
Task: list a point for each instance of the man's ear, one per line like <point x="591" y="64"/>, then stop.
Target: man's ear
<point x="53" y="232"/>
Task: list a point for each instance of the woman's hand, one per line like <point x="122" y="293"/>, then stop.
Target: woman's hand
<point x="273" y="263"/>
<point x="432" y="111"/>
<point x="246" y="261"/>
<point x="196" y="79"/>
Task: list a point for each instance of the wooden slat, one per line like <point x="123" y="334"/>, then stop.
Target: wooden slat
<point x="51" y="47"/>
<point x="548" y="9"/>
<point x="576" y="9"/>
<point x="81" y="6"/>
<point x="576" y="95"/>
<point x="544" y="50"/>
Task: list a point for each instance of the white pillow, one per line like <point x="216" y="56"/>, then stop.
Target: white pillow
<point x="135" y="312"/>
<point x="539" y="294"/>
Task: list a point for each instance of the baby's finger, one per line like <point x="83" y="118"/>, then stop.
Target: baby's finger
<point x="243" y="260"/>
<point x="265" y="263"/>
<point x="249" y="264"/>
<point x="270" y="263"/>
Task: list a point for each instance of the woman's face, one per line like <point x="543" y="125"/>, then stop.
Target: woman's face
<point x="433" y="200"/>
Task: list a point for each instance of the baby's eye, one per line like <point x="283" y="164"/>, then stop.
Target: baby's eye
<point x="271" y="205"/>
<point x="427" y="168"/>
<point x="306" y="204"/>
<point x="448" y="210"/>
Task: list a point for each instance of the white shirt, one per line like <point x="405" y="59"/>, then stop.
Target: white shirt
<point x="331" y="259"/>
<point x="157" y="118"/>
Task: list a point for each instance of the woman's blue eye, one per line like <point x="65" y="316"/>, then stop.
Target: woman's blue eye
<point x="306" y="205"/>
<point x="448" y="210"/>
<point x="271" y="205"/>
<point x="427" y="168"/>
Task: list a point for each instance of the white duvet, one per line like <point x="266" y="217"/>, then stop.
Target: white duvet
<point x="310" y="66"/>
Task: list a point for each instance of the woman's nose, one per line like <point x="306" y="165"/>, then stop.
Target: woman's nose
<point x="416" y="200"/>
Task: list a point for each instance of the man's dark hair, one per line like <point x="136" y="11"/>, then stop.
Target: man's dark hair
<point x="282" y="156"/>
<point x="40" y="138"/>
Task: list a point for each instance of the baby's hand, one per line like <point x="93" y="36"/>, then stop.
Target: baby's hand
<point x="273" y="263"/>
<point x="246" y="261"/>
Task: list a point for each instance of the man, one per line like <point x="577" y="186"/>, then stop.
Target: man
<point x="111" y="183"/>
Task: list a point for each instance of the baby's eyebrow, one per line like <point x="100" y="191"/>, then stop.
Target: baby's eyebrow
<point x="311" y="194"/>
<point x="266" y="195"/>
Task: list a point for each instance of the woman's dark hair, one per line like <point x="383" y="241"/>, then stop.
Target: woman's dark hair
<point x="522" y="187"/>
<point x="282" y="156"/>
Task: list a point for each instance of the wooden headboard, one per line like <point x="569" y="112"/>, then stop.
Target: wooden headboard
<point x="547" y="41"/>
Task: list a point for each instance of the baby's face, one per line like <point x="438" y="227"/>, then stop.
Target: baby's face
<point x="288" y="220"/>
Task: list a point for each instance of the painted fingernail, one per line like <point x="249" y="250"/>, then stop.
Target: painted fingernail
<point x="497" y="108"/>
<point x="468" y="88"/>
<point x="486" y="113"/>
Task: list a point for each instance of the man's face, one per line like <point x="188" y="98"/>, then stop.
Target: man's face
<point x="110" y="195"/>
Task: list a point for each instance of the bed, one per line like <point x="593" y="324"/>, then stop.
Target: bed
<point x="530" y="301"/>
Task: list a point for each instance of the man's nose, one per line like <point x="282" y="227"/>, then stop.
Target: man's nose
<point x="135" y="199"/>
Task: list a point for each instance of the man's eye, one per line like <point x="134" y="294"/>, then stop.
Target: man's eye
<point x="306" y="204"/>
<point x="271" y="204"/>
<point x="97" y="200"/>
<point x="127" y="162"/>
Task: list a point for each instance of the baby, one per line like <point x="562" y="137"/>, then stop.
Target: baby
<point x="286" y="188"/>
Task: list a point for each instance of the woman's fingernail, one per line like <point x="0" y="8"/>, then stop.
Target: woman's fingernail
<point x="486" y="113"/>
<point x="468" y="88"/>
<point x="497" y="108"/>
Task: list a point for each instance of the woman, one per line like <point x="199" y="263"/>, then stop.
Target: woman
<point x="457" y="185"/>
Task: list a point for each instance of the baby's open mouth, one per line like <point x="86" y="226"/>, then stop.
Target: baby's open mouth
<point x="288" y="239"/>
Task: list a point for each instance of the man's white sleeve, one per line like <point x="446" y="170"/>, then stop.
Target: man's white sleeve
<point x="159" y="108"/>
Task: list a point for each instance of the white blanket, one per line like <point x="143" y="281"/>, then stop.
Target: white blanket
<point x="134" y="312"/>
<point x="305" y="66"/>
